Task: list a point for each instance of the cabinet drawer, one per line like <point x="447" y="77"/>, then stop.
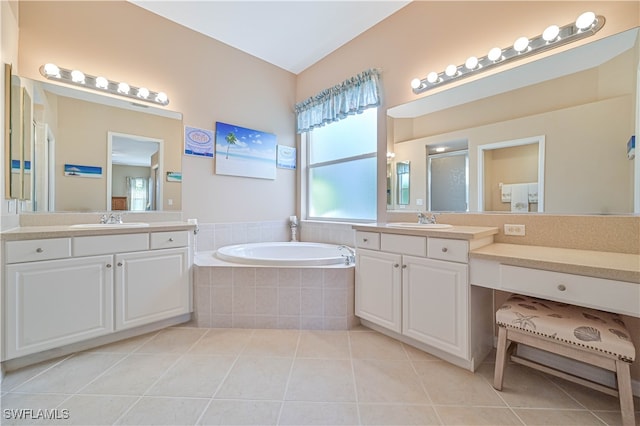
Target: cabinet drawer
<point x="369" y="240"/>
<point x="161" y="240"/>
<point x="404" y="244"/>
<point x="107" y="244"/>
<point x="598" y="293"/>
<point x="446" y="249"/>
<point x="34" y="250"/>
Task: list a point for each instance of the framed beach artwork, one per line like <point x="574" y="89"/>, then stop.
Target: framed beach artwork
<point x="245" y="152"/>
<point x="174" y="176"/>
<point x="286" y="157"/>
<point x="198" y="142"/>
<point x="82" y="171"/>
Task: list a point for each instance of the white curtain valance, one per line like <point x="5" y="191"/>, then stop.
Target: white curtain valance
<point x="352" y="96"/>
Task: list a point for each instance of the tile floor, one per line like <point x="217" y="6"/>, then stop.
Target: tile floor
<point x="190" y="376"/>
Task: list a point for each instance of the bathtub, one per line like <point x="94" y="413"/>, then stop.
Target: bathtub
<point x="274" y="285"/>
<point x="283" y="254"/>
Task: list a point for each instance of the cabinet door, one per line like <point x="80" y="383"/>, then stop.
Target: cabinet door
<point x="151" y="286"/>
<point x="435" y="304"/>
<point x="378" y="288"/>
<point x="57" y="302"/>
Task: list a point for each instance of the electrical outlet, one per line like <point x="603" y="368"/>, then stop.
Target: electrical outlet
<point x="514" y="230"/>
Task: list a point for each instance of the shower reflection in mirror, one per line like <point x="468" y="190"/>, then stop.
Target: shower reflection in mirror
<point x="448" y="180"/>
<point x="402" y="179"/>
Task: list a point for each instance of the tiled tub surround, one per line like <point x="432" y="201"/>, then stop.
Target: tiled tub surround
<point x="215" y="235"/>
<point x="238" y="296"/>
<point x="243" y="296"/>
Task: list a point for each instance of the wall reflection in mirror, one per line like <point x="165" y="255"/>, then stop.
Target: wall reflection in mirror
<point x="129" y="148"/>
<point x="580" y="104"/>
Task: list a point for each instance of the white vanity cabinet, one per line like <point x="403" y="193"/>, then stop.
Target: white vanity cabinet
<point x="57" y="302"/>
<point x="435" y="301"/>
<point x="151" y="286"/>
<point x="417" y="288"/>
<point x="61" y="291"/>
<point x="379" y="288"/>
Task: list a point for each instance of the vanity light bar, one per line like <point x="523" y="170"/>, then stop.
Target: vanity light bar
<point x="586" y="25"/>
<point x="101" y="84"/>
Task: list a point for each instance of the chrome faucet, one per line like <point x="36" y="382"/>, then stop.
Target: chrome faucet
<point x="111" y="219"/>
<point x="351" y="257"/>
<point x="424" y="219"/>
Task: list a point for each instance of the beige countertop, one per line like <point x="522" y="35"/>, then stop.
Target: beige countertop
<point x="456" y="232"/>
<point x="615" y="266"/>
<point x="57" y="231"/>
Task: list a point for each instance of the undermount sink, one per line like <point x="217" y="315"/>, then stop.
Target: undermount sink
<point x="419" y="225"/>
<point x="109" y="225"/>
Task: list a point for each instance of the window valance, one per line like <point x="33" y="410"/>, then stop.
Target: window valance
<point x="352" y="96"/>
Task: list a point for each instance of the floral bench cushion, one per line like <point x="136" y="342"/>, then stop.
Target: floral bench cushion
<point x="589" y="328"/>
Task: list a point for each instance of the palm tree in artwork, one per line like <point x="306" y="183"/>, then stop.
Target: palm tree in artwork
<point x="231" y="140"/>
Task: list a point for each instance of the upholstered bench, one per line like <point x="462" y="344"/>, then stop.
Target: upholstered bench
<point x="587" y="335"/>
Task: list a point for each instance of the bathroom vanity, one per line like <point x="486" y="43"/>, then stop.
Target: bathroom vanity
<point x="601" y="280"/>
<point x="69" y="284"/>
<point x="413" y="284"/>
<point x="434" y="288"/>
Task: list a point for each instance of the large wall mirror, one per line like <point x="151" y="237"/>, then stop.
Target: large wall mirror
<point x="81" y="151"/>
<point x="581" y="103"/>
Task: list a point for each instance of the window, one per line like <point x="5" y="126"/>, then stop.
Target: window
<point x="341" y="179"/>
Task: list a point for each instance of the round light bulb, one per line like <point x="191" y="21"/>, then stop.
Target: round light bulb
<point x="451" y="70"/>
<point x="52" y="70"/>
<point x="143" y="92"/>
<point x="415" y="83"/>
<point x="471" y="63"/>
<point x="586" y="20"/>
<point x="123" y="88"/>
<point x="77" y="76"/>
<point x="551" y="33"/>
<point x="102" y="83"/>
<point x="495" y="54"/>
<point x="521" y="44"/>
<point x="162" y="98"/>
<point x="432" y="77"/>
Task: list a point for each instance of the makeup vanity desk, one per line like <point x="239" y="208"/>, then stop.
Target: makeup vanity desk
<point x="600" y="280"/>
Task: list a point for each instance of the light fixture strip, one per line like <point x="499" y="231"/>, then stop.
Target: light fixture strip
<point x="112" y="87"/>
<point x="567" y="34"/>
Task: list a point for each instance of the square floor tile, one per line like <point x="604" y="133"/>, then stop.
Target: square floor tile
<point x="72" y="374"/>
<point x="133" y="376"/>
<point x="193" y="376"/>
<point x="324" y="344"/>
<point x="172" y="340"/>
<point x="96" y="409"/>
<point x="256" y="378"/>
<point x="164" y="411"/>
<point x="398" y="414"/>
<point x="388" y="381"/>
<point x="322" y="380"/>
<point x="228" y="412"/>
<point x="448" y="384"/>
<point x="318" y="413"/>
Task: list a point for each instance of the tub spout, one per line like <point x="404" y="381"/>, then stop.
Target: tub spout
<point x="348" y="258"/>
<point x="293" y="225"/>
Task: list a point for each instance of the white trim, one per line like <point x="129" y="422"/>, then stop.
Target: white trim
<point x="540" y="140"/>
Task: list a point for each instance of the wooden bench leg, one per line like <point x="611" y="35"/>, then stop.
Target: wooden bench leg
<point x="501" y="358"/>
<point x="625" y="393"/>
